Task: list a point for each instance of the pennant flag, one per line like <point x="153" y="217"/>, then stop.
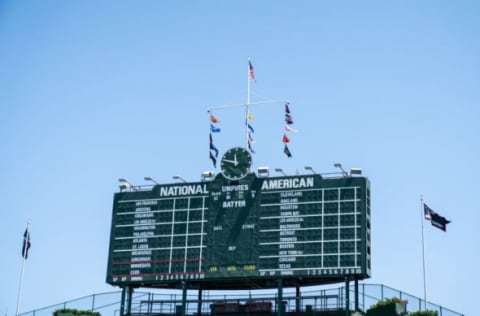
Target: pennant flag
<point x="214" y="160"/>
<point x="435" y="218"/>
<point x="289" y="129"/>
<point x="214" y="129"/>
<point x="250" y="137"/>
<point x="288" y="119"/>
<point x="251" y="72"/>
<point x="287" y="151"/>
<point x="26" y="243"/>
<point x="250" y="128"/>
<point x="250" y="147"/>
<point x="250" y="117"/>
<point x="287" y="110"/>
<point x="212" y="147"/>
<point x="214" y="119"/>
<point x="285" y="139"/>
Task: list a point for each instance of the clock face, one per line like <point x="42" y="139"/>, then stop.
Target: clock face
<point x="236" y="163"/>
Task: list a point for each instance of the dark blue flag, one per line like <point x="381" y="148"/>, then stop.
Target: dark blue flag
<point x="26" y="243"/>
<point x="437" y="221"/>
<point x="287" y="151"/>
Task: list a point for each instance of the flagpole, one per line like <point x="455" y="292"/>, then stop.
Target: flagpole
<point x="248" y="103"/>
<point x="23" y="268"/>
<point x="422" y="212"/>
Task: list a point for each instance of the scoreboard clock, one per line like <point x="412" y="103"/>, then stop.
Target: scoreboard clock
<point x="236" y="163"/>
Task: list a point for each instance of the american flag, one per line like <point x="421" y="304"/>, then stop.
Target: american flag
<point x="251" y="71"/>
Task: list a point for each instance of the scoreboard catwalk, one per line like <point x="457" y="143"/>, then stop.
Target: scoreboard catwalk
<point x="240" y="233"/>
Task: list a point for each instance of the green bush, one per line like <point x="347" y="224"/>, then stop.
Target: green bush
<point x="387" y="301"/>
<point x="424" y="313"/>
<point x="75" y="312"/>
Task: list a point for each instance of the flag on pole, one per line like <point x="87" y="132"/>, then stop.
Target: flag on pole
<point x="250" y="147"/>
<point x="213" y="119"/>
<point x="250" y="137"/>
<point x="288" y="119"/>
<point x="427" y="212"/>
<point x="251" y="71"/>
<point x="212" y="147"/>
<point x="26" y="243"/>
<point x="289" y="129"/>
<point x="214" y="160"/>
<point x="437" y="221"/>
<point x="214" y="129"/>
<point x="287" y="151"/>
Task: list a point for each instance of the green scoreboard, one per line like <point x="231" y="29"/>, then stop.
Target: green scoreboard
<point x="242" y="233"/>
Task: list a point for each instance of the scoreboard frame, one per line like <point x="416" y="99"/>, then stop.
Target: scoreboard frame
<point x="239" y="234"/>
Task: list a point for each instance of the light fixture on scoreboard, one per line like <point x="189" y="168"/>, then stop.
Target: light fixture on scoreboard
<point x="151" y="180"/>
<point x="263" y="171"/>
<point x="125" y="185"/>
<point x="357" y="171"/>
<point x="313" y="171"/>
<point x="208" y="175"/>
<point x="280" y="170"/>
<point x="177" y="177"/>
<point x="339" y="165"/>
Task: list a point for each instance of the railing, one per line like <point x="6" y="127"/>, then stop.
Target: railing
<point x="372" y="293"/>
<point x="312" y="299"/>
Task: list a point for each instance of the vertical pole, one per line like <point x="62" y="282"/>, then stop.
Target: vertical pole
<point x="248" y="103"/>
<point x="363" y="296"/>
<point x="20" y="286"/>
<point x="356" y="295"/>
<point x="24" y="252"/>
<point x="122" y="302"/>
<point x="199" y="299"/>
<point x="129" y="304"/>
<point x="347" y="296"/>
<point x="423" y="255"/>
<point x="150" y="303"/>
<point x="184" y="298"/>
<point x="279" y="297"/>
<point x="93" y="302"/>
<point x="297" y="298"/>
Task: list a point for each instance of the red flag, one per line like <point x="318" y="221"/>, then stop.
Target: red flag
<point x="285" y="139"/>
<point x="214" y="119"/>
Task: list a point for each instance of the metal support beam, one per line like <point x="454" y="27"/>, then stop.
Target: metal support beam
<point x="122" y="302"/>
<point x="297" y="298"/>
<point x="184" y="298"/>
<point x="199" y="299"/>
<point x="357" y="308"/>
<point x="129" y="303"/>
<point x="347" y="296"/>
<point x="279" y="297"/>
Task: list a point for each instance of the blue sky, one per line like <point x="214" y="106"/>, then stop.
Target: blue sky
<point x="91" y="92"/>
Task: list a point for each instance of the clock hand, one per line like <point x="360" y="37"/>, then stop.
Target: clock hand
<point x="231" y="161"/>
<point x="235" y="163"/>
